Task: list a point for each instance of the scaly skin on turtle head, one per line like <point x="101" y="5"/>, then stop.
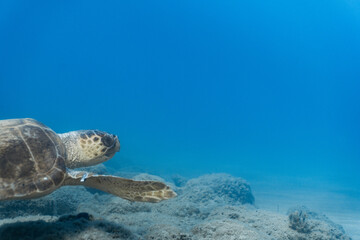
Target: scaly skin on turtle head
<point x="89" y="147"/>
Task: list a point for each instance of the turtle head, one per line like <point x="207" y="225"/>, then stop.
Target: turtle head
<point x="89" y="147"/>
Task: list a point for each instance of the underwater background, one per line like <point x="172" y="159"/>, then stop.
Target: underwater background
<point x="264" y="90"/>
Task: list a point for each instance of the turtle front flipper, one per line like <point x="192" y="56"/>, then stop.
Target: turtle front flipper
<point x="140" y="191"/>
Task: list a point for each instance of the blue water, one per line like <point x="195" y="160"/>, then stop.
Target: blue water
<point x="259" y="89"/>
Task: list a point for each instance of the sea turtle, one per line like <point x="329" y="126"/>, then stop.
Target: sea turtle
<point x="35" y="161"/>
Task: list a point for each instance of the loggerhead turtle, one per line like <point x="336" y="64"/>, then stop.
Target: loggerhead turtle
<point x="35" y="161"/>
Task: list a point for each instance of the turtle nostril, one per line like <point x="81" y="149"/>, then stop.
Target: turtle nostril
<point x="107" y="140"/>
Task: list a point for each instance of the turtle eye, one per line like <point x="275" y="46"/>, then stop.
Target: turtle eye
<point x="108" y="141"/>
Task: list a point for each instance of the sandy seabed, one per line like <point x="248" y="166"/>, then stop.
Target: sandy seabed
<point x="215" y="206"/>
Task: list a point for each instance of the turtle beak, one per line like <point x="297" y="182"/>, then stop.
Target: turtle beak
<point x="117" y="144"/>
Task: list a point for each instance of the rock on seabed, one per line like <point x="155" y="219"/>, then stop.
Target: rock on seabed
<point x="214" y="206"/>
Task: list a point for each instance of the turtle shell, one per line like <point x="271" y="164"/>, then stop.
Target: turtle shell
<point x="31" y="159"/>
